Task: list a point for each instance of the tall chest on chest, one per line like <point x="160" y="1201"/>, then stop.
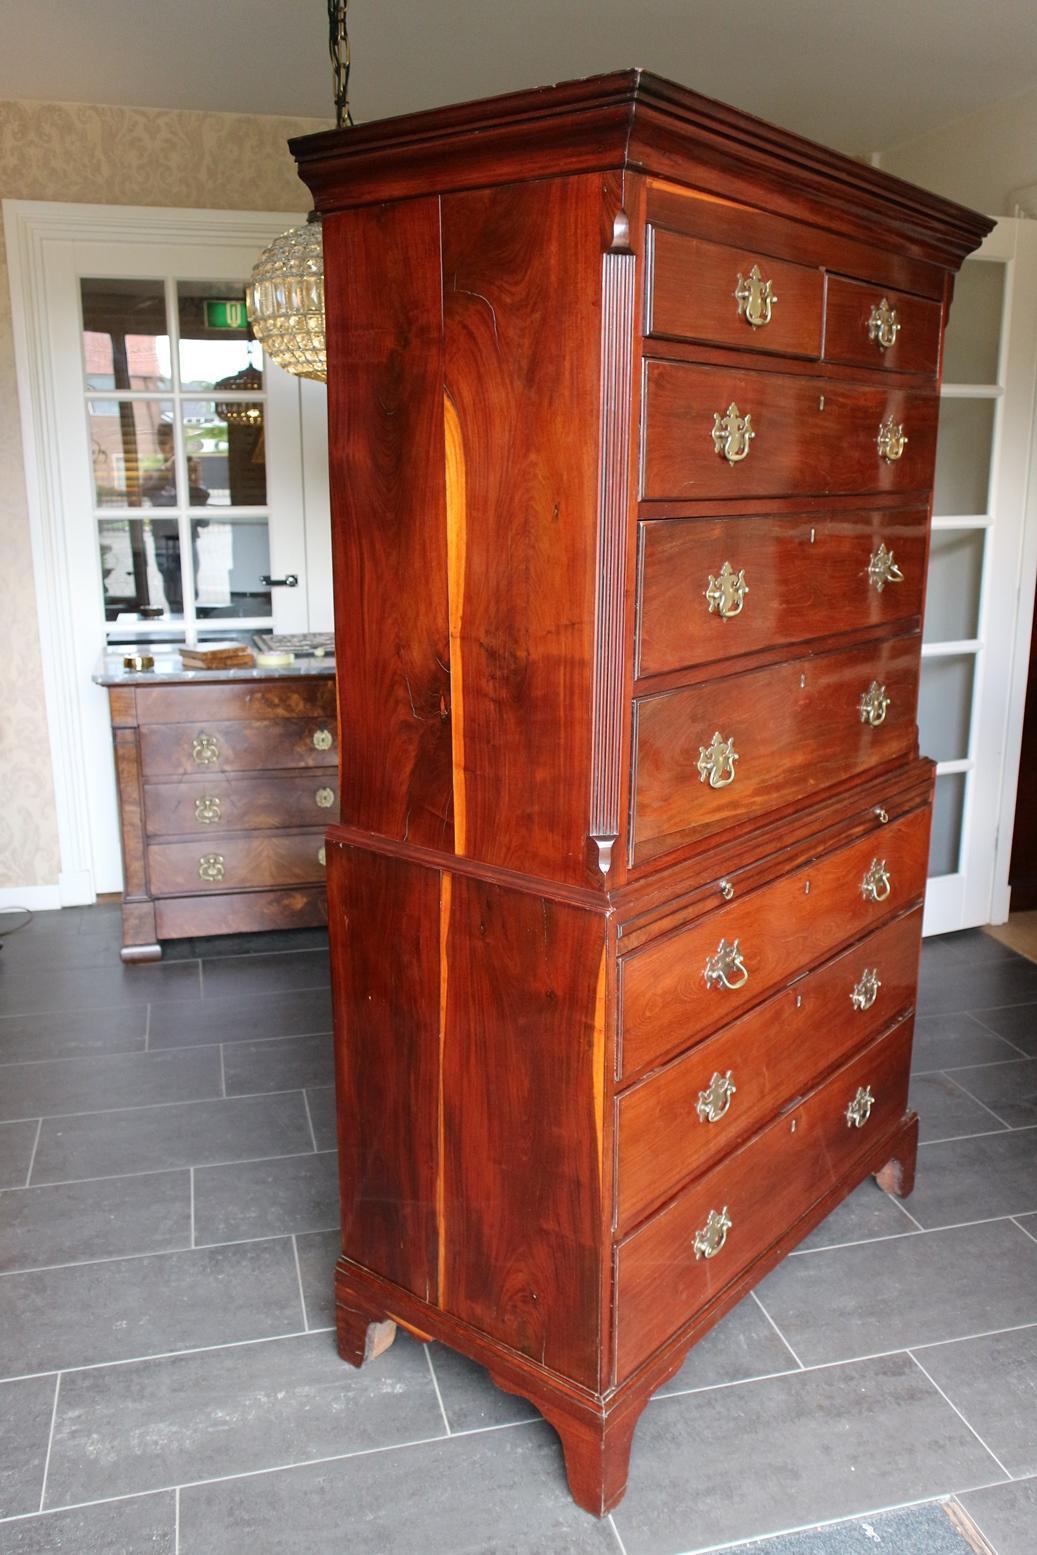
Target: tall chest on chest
<point x="633" y="408"/>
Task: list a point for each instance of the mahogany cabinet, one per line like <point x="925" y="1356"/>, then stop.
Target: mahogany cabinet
<point x="633" y="407"/>
<point x="226" y="782"/>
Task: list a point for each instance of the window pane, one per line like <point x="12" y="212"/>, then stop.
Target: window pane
<point x="945" y="707"/>
<point x="230" y="556"/>
<point x="226" y="460"/>
<point x="140" y="565"/>
<point x="125" y="335"/>
<point x="131" y="445"/>
<point x="216" y="344"/>
<point x="963" y="457"/>
<point x="952" y="592"/>
<point x="972" y="343"/>
<point x="945" y="838"/>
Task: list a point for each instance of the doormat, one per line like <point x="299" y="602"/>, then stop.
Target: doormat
<point x="938" y="1528"/>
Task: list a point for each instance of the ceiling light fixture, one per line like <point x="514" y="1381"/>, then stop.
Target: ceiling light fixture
<point x="285" y="296"/>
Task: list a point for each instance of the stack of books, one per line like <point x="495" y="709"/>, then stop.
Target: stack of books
<point x="216" y="656"/>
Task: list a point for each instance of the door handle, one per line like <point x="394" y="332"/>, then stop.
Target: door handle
<point x="289" y="581"/>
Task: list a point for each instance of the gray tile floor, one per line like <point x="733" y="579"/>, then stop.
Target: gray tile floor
<point x="167" y="1234"/>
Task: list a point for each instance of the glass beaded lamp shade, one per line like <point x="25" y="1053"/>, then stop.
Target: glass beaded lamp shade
<point x="285" y="301"/>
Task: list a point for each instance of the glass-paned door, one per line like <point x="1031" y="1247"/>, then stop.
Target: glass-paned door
<point x="976" y="565"/>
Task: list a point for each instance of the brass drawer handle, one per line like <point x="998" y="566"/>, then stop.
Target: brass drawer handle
<point x="876" y="884"/>
<point x="715" y="1100"/>
<point x="322" y="857"/>
<point x="732" y="434"/>
<point x="892" y="440"/>
<point x="322" y="739"/>
<point x="726" y="592"/>
<point x="726" y="960"/>
<point x="205" y="750"/>
<point x="210" y="867"/>
<point x="325" y="798"/>
<point x="755" y="298"/>
<point x="883" y="325"/>
<point x="882" y="569"/>
<point x="859" y="1110"/>
<point x="207" y="809"/>
<point x="717" y="761"/>
<point x="713" y="1235"/>
<point x="867" y="990"/>
<point x="873" y="704"/>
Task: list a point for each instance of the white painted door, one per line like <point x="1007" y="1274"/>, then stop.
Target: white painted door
<point x="179" y="473"/>
<point x="981" y="578"/>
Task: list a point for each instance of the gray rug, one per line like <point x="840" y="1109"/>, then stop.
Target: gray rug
<point x="919" y="1530"/>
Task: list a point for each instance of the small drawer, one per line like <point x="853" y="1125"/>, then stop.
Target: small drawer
<point x="711" y="432"/>
<point x="234" y="802"/>
<point x="203" y="748"/>
<point x="732" y="297"/>
<point x="679" y="1261"/>
<point x="235" y="862"/>
<point x="712" y="588"/>
<point x="670" y="992"/>
<point x="218" y="702"/>
<point x="733" y="748"/>
<point x="871" y="326"/>
<point x="675" y="1125"/>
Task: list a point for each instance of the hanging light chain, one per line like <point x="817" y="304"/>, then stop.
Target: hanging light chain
<point x="338" y="46"/>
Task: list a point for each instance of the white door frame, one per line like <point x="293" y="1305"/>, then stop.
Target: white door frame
<point x="33" y="228"/>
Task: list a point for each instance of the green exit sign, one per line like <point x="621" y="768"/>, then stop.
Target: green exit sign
<point x="220" y="314"/>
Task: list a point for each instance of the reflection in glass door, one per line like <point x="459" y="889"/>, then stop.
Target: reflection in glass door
<point x="975" y="565"/>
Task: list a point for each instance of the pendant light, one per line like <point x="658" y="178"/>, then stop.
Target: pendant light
<point x="285" y="296"/>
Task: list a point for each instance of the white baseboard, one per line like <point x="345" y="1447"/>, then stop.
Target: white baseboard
<point x="37" y="898"/>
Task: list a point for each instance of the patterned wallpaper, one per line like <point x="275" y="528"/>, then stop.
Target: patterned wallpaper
<point x="112" y="156"/>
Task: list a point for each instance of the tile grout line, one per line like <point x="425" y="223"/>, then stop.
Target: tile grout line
<point x="149" y="1106"/>
<point x="612" y="1523"/>
<point x="965" y="1421"/>
<point x="966" y="1092"/>
<point x="777" y="1330"/>
<point x="176" y="1521"/>
<point x="201" y="981"/>
<point x="35" y="1147"/>
<point x="156" y="1252"/>
<point x="50" y="1441"/>
<point x="435" y="1383"/>
<point x="167" y="1355"/>
<point x="309" y="1119"/>
<point x="175" y="1047"/>
<point x="147" y="1026"/>
<point x="991" y="1063"/>
<point x="223" y="1075"/>
<point x="156" y="1171"/>
<point x="190" y="1175"/>
<point x="987" y="1133"/>
<point x="298" y="1276"/>
<point x="1022" y="1228"/>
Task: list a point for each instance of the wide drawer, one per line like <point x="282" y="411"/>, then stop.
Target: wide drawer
<point x="234" y="802"/>
<point x="679" y="1122"/>
<point x="312" y="697"/>
<point x="235" y="862"/>
<point x="871" y="326"/>
<point x="713" y="587"/>
<point x="732" y="296"/>
<point x="669" y="997"/>
<point x="810" y="435"/>
<point x="666" y="1271"/>
<point x="174" y="750"/>
<point x="783" y="732"/>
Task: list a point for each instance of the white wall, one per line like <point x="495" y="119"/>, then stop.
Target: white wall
<point x="979" y="160"/>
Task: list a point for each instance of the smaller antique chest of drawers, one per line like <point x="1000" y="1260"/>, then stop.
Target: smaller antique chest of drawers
<point x="227" y="780"/>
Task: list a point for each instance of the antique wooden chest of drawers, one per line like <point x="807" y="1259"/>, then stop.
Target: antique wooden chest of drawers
<point x="227" y="781"/>
<point x="633" y="416"/>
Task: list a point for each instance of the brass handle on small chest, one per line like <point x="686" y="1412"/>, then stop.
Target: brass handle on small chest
<point x="873" y="704"/>
<point x="883" y="325"/>
<point x="732" y="434"/>
<point x="207" y="809"/>
<point x="715" y="1100"/>
<point x="755" y="298"/>
<point x="876" y="885"/>
<point x="324" y="798"/>
<point x="859" y="1110"/>
<point x="725" y="968"/>
<point x="713" y="1235"/>
<point x="867" y="990"/>
<point x="211" y="867"/>
<point x="717" y="761"/>
<point x="891" y="441"/>
<point x="205" y="750"/>
<point x="882" y="569"/>
<point x="322" y="739"/>
<point x="726" y="592"/>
